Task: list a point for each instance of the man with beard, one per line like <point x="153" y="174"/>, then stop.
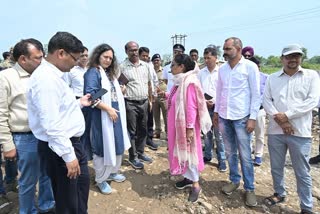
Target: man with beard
<point x="139" y="91"/>
<point x="236" y="109"/>
<point x="289" y="97"/>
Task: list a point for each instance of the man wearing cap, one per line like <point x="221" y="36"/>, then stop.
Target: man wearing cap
<point x="167" y="75"/>
<point x="159" y="103"/>
<point x="289" y="97"/>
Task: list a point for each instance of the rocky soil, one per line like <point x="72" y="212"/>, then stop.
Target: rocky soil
<point x="152" y="190"/>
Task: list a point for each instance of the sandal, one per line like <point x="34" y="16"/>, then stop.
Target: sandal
<point x="274" y="199"/>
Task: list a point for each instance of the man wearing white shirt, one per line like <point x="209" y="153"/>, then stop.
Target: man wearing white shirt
<point x="208" y="77"/>
<point x="289" y="97"/>
<point x="74" y="78"/>
<point x="55" y="118"/>
<point x="236" y="108"/>
<point x="166" y="73"/>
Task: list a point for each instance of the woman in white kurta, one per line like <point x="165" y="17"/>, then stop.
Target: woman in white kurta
<point x="108" y="132"/>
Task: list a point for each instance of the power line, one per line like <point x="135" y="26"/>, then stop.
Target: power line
<point x="292" y="16"/>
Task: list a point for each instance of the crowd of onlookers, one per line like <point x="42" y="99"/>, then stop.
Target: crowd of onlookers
<point x="61" y="109"/>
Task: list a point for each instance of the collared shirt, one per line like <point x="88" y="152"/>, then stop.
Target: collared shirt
<point x="139" y="77"/>
<point x="155" y="80"/>
<point x="209" y="81"/>
<point x="13" y="104"/>
<point x="263" y="80"/>
<point x="294" y="95"/>
<point x="238" y="90"/>
<point x="74" y="79"/>
<point x="162" y="85"/>
<point x="167" y="75"/>
<point x="54" y="112"/>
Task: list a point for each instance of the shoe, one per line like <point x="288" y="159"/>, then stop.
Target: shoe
<point x="5" y="204"/>
<point x="306" y="212"/>
<point x="156" y="135"/>
<point x="257" y="161"/>
<point x="116" y="177"/>
<point x="194" y="194"/>
<point x="183" y="184"/>
<point x="222" y="167"/>
<point x="136" y="164"/>
<point x="315" y="160"/>
<point x="251" y="200"/>
<point x="144" y="158"/>
<point x="104" y="187"/>
<point x="151" y="145"/>
<point x="229" y="188"/>
<point x="206" y="160"/>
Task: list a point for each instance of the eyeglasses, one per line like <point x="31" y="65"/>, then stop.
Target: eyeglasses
<point x="247" y="56"/>
<point x="75" y="59"/>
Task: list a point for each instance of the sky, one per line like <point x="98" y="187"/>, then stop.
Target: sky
<point x="267" y="26"/>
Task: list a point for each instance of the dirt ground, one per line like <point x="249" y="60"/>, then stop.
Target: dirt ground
<point x="152" y="190"/>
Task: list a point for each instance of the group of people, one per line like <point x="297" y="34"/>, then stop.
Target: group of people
<point x="49" y="121"/>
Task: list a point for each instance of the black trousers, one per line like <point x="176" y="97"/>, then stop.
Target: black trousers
<point x="137" y="116"/>
<point x="150" y="124"/>
<point x="71" y="195"/>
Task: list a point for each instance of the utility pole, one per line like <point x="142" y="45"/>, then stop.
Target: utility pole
<point x="179" y="39"/>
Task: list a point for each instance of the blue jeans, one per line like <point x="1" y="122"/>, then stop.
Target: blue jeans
<point x="299" y="150"/>
<point x="11" y="174"/>
<point x="236" y="138"/>
<point x="209" y="143"/>
<point x="32" y="169"/>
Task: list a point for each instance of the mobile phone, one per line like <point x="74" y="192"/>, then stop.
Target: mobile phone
<point x="99" y="94"/>
<point x="123" y="80"/>
<point x="207" y="96"/>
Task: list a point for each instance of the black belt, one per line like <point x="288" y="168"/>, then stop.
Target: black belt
<point x="22" y="132"/>
<point x="140" y="102"/>
<point x="78" y="97"/>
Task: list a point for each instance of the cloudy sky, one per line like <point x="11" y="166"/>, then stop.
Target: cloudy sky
<point x="265" y="25"/>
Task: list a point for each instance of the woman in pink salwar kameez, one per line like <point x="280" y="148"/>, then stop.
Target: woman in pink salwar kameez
<point x="186" y="105"/>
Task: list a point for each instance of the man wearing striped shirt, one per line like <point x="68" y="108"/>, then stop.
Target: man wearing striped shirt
<point x="138" y="91"/>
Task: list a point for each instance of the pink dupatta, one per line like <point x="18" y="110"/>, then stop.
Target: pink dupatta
<point x="184" y="151"/>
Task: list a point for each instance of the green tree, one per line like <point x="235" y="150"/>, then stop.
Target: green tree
<point x="314" y="60"/>
<point x="273" y="61"/>
<point x="305" y="54"/>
